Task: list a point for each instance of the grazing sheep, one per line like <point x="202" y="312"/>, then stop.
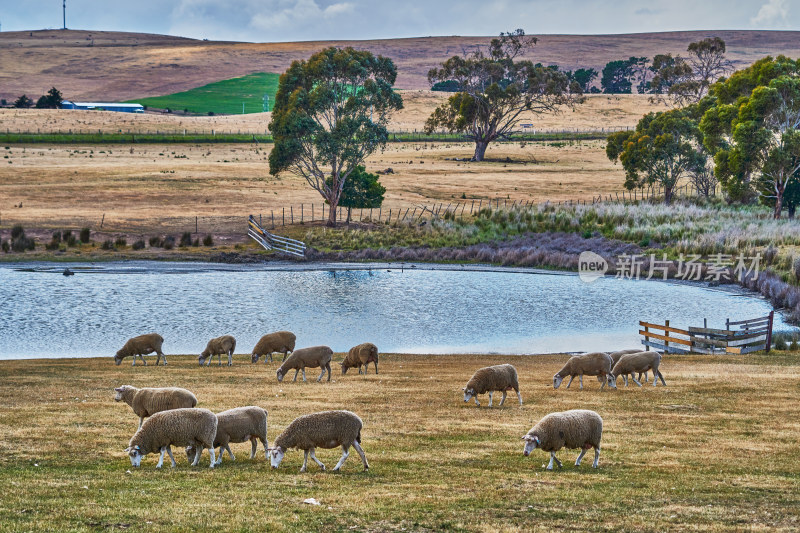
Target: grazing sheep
<point x="178" y="427"/>
<point x="141" y="346"/>
<point x="238" y="425"/>
<point x="579" y="428"/>
<point x="280" y="341"/>
<point x="149" y="401"/>
<point x="221" y="345"/>
<point x="316" y="356"/>
<point x="492" y="378"/>
<point x="616" y="355"/>
<point x="590" y="364"/>
<point x="639" y="362"/>
<point x="326" y="429"/>
<point x="361" y="355"/>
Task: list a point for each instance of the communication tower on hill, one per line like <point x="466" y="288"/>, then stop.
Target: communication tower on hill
<point x="64" y="13"/>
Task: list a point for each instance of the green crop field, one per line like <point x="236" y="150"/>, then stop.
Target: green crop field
<point x="222" y="97"/>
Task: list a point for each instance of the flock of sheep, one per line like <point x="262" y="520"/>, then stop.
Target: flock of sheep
<point x="174" y="420"/>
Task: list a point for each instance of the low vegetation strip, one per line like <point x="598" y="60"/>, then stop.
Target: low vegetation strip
<point x="229" y="137"/>
<point x="436" y="463"/>
<point x="234" y="96"/>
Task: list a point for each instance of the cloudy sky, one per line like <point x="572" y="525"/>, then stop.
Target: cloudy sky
<point x="299" y="20"/>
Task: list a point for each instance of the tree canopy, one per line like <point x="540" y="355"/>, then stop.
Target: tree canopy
<point x="23" y="102"/>
<point x="362" y="191"/>
<point x="331" y="112"/>
<point x="51" y="100"/>
<point x="616" y="77"/>
<point x="496" y="88"/>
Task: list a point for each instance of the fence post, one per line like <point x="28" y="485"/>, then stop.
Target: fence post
<point x="379" y="213"/>
<point x="272" y="213"/>
<point x="769" y="331"/>
<point x="301" y="213"/>
<point x="195" y="223"/>
<point x="312" y="212"/>
<point x="646" y="338"/>
<point x="666" y="334"/>
<point x="283" y="217"/>
<point x="102" y="220"/>
<point x="472" y="206"/>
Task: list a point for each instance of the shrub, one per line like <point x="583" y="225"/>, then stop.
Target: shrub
<point x="57" y="236"/>
<point x="155" y="242"/>
<point x="71" y="240"/>
<point x="196" y="242"/>
<point x="23" y="243"/>
<point x="108" y="244"/>
<point x="168" y="243"/>
<point x="17" y="231"/>
<point x="138" y="245"/>
<point x="186" y="239"/>
<point x="52" y="245"/>
<point x="794" y="346"/>
<point x="208" y="240"/>
<point x="121" y="242"/>
<point x="85" y="235"/>
<point x="780" y="344"/>
<point x="6" y="247"/>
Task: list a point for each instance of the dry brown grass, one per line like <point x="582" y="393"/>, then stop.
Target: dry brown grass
<point x="146" y="188"/>
<point x="115" y="66"/>
<point x="713" y="451"/>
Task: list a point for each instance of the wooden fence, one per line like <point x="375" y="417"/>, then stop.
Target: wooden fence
<point x="274" y="242"/>
<point x="738" y="337"/>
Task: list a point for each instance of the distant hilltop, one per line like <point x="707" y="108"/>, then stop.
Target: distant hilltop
<point x="117" y="66"/>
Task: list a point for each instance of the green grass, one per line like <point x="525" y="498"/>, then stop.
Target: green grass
<point x="222" y="97"/>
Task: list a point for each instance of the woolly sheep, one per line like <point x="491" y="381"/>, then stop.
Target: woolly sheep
<point x="590" y="364"/>
<point x="579" y="428"/>
<point x="238" y="425"/>
<point x="221" y="345"/>
<point x="280" y="341"/>
<point x="316" y="356"/>
<point x="492" y="378"/>
<point x="361" y="355"/>
<point x="149" y="401"/>
<point x="326" y="429"/>
<point x="639" y="362"/>
<point x="616" y="355"/>
<point x="141" y="346"/>
<point x="178" y="427"/>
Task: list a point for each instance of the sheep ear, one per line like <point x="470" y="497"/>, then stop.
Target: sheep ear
<point x="463" y="388"/>
<point x="127" y="449"/>
<point x="118" y="389"/>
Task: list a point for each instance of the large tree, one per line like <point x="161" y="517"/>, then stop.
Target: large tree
<point x="361" y="190"/>
<point x="496" y="89"/>
<point x="688" y="79"/>
<point x="664" y="148"/>
<point x="330" y="113"/>
<point x="584" y="77"/>
<point x="51" y="100"/>
<point x="752" y="129"/>
<point x="617" y="75"/>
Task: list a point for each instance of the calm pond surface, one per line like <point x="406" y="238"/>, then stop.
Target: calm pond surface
<point x="416" y="310"/>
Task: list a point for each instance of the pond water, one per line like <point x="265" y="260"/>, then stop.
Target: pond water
<point x="413" y="310"/>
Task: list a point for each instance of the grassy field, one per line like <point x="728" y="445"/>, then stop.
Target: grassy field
<point x="713" y="451"/>
<point x="229" y="97"/>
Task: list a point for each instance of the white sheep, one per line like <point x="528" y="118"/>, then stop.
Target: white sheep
<point x="151" y="400"/>
<point x="579" y="428"/>
<point x="177" y="427"/>
<point x="327" y="429"/>
<point x="314" y="357"/>
<point x="239" y="425"/>
<point x="280" y="341"/>
<point x="221" y="345"/>
<point x="590" y="364"/>
<point x="639" y="362"/>
<point x="141" y="346"/>
<point x="619" y="353"/>
<point x="492" y="378"/>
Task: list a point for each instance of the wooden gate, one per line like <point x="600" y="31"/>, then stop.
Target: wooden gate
<point x="743" y="336"/>
<point x="270" y="241"/>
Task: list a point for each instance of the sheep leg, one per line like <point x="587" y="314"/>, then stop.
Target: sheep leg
<point x="603" y="381"/>
<point x="345" y="454"/>
<point x="321" y="375"/>
<point x="171" y="458"/>
<point x="376" y="367"/>
<point x="580" y="378"/>
<point x="476" y="400"/>
<point x="520" y="397"/>
<point x="490" y="398"/>
<point x="552" y="458"/>
<point x="161" y="355"/>
<point x="227" y="447"/>
<point x="360" y="370"/>
<point x="635" y="380"/>
<point x="230" y="358"/>
<point x="596" y="457"/>
<point x="161" y="457"/>
<point x="580" y="456"/>
<point x="305" y="461"/>
<point x="213" y="461"/>
<point x="134" y="361"/>
<point x="502" y="401"/>
<point x="661" y="377"/>
<point x="328" y="368"/>
<point x="314" y="456"/>
<point x="198" y="450"/>
<point x="296" y="370"/>
<point x="570" y="381"/>
<point x="253" y="447"/>
<point x="360" y="451"/>
<point x="141" y="421"/>
<point x="219" y="359"/>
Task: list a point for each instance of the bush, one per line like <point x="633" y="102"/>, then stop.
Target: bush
<point x="121" y="242"/>
<point x="85" y="235"/>
<point x="208" y="240"/>
<point x="17" y="232"/>
<point x="138" y="245"/>
<point x="168" y="243"/>
<point x="53" y="245"/>
<point x="23" y="243"/>
<point x="196" y="242"/>
<point x="6" y="247"/>
<point x="57" y="236"/>
<point x="186" y="239"/>
<point x="780" y="344"/>
<point x="108" y="244"/>
<point x="66" y="234"/>
<point x="155" y="242"/>
<point x="794" y="346"/>
<point x="71" y="240"/>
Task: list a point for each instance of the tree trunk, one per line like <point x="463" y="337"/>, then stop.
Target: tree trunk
<point x="668" y="195"/>
<point x="349" y="211"/>
<point x="778" y="204"/>
<point x="334" y="203"/>
<point x="480" y="150"/>
<point x="791" y="208"/>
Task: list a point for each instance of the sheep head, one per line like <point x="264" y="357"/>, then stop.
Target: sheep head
<point x="254" y="358"/>
<point x="135" y="455"/>
<point x="531" y="443"/>
<point x="279" y="373"/>
<point x="276" y="456"/>
<point x="557" y="381"/>
<point x="468" y="394"/>
<point x="118" y="357"/>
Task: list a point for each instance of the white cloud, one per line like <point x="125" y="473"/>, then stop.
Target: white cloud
<point x="295" y="13"/>
<point x="771" y="14"/>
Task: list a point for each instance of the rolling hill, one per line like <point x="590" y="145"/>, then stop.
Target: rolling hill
<point x="90" y="65"/>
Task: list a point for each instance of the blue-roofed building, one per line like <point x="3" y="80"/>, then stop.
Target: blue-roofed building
<point x="103" y="106"/>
